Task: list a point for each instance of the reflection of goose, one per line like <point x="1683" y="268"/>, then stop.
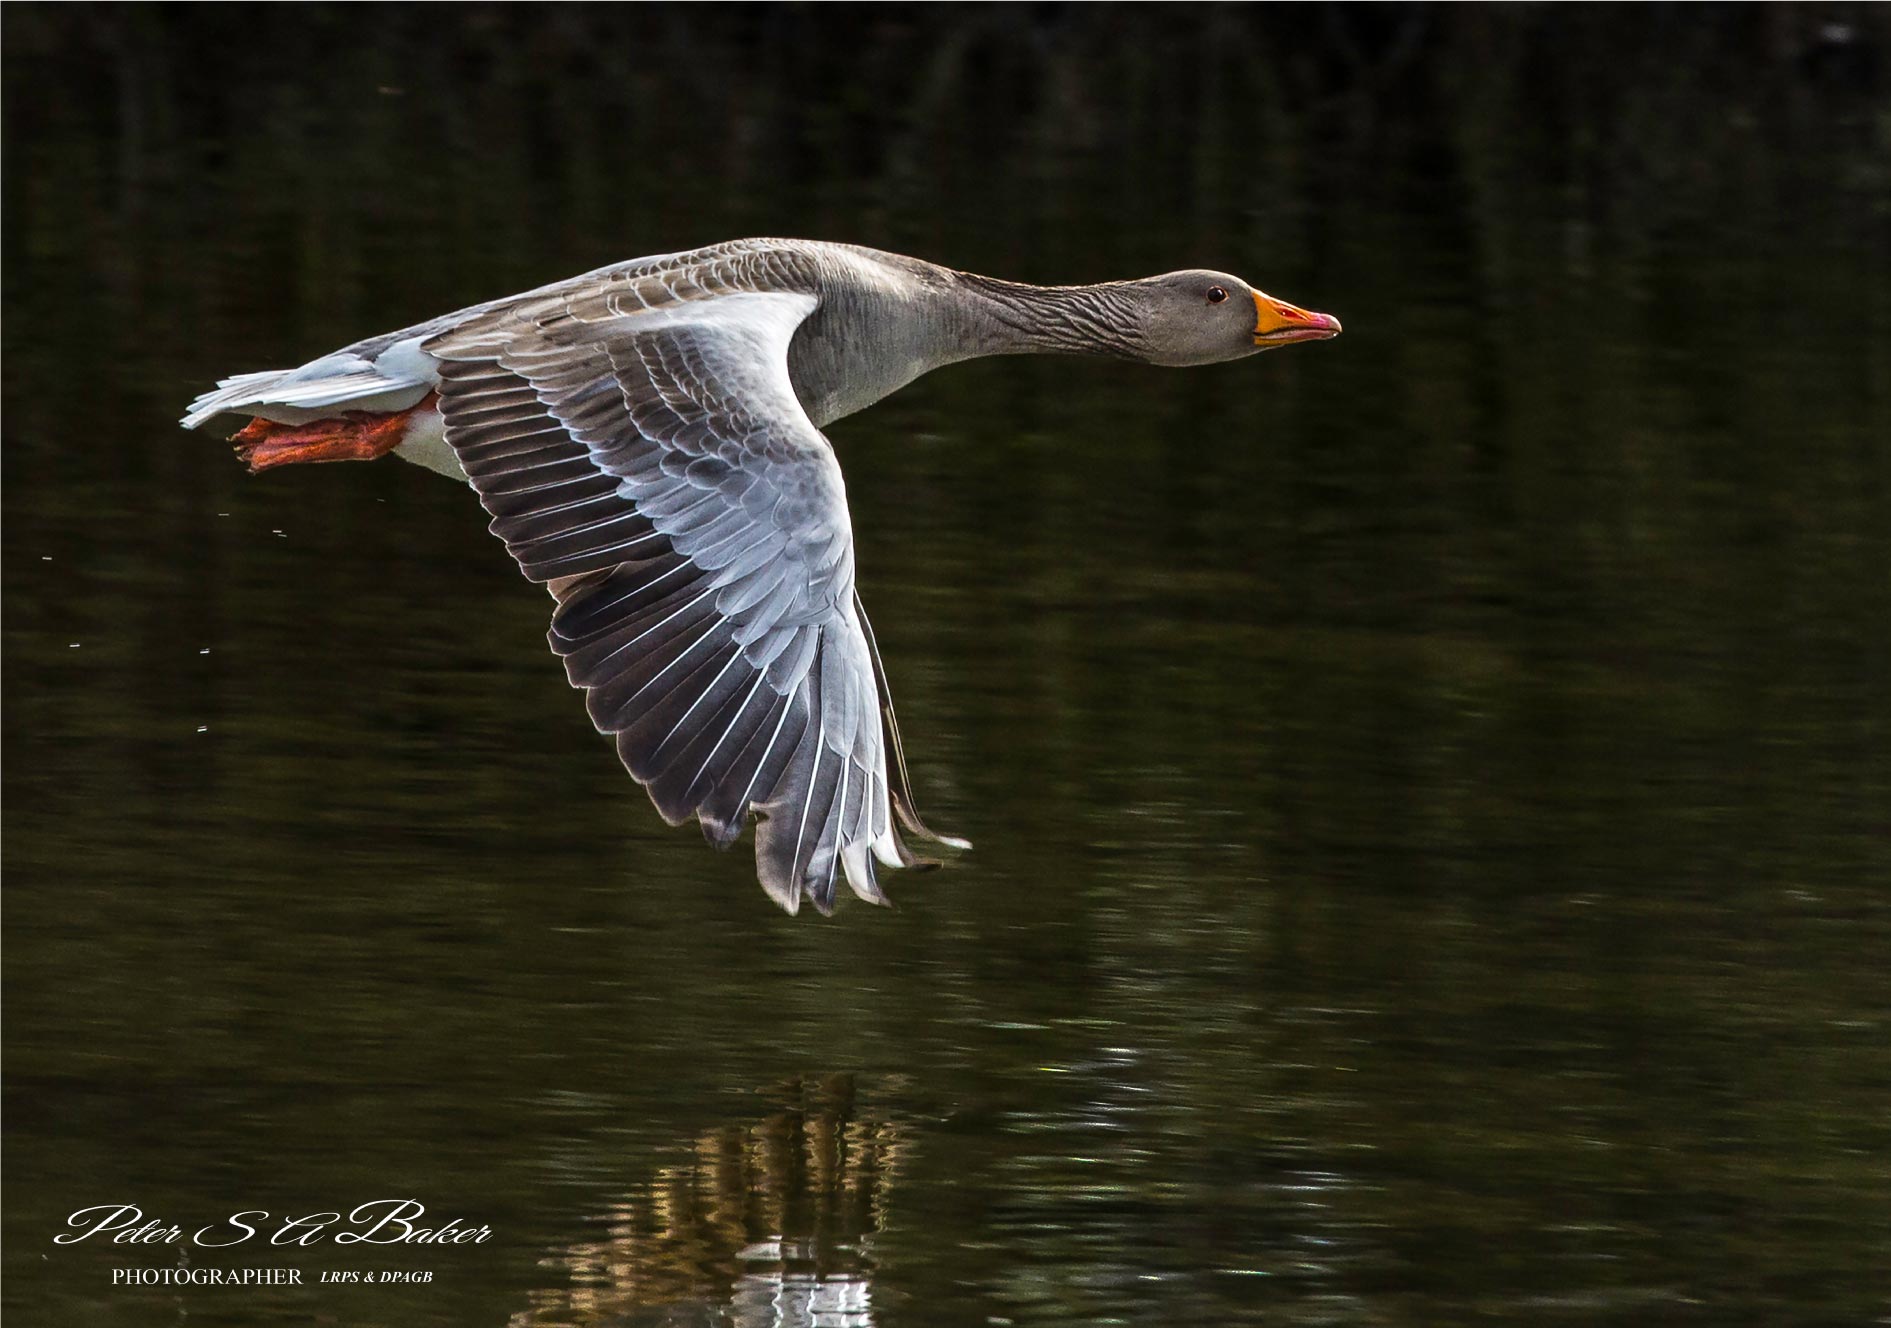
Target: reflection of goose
<point x="647" y="438"/>
<point x="768" y="1227"/>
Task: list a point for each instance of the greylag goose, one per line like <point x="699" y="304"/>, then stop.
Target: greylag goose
<point x="647" y="439"/>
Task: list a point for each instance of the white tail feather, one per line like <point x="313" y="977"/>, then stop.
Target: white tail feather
<point x="394" y="380"/>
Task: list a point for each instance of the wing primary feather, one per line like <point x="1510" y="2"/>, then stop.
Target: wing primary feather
<point x="762" y="765"/>
<point x="703" y="769"/>
<point x="901" y="782"/>
<point x="669" y="617"/>
<point x="735" y="657"/>
<point x="814" y="779"/>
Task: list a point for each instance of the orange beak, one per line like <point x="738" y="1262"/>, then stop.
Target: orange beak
<point x="1277" y="323"/>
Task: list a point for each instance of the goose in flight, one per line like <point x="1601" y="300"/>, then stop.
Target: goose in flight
<point x="647" y="439"/>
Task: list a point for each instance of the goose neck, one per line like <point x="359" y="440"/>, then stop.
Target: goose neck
<point x="1013" y="318"/>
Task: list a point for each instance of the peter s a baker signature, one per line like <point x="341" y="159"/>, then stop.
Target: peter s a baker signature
<point x="377" y="1222"/>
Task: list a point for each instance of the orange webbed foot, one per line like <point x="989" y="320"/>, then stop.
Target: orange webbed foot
<point x="356" y="435"/>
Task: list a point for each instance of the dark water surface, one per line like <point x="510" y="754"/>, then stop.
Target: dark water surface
<point x="1431" y="789"/>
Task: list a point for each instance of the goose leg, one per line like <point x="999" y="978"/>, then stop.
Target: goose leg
<point x="356" y="435"/>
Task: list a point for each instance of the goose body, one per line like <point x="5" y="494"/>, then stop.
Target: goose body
<point x="646" y="438"/>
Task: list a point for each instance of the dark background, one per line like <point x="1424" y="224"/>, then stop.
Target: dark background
<point x="1431" y="789"/>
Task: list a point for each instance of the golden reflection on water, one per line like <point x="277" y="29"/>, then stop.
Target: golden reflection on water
<point x="770" y="1225"/>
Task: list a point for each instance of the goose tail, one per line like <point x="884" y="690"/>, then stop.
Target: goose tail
<point x="393" y="380"/>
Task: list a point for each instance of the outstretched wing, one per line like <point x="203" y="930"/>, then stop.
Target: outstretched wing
<point x="641" y="450"/>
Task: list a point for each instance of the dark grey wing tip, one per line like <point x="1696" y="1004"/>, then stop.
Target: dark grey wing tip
<point x="899" y="782"/>
<point x="909" y="820"/>
<point x="722" y="836"/>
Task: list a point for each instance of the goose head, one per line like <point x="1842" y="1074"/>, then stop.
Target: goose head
<point x="1203" y="317"/>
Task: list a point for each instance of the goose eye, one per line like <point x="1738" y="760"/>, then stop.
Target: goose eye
<point x="1216" y="294"/>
